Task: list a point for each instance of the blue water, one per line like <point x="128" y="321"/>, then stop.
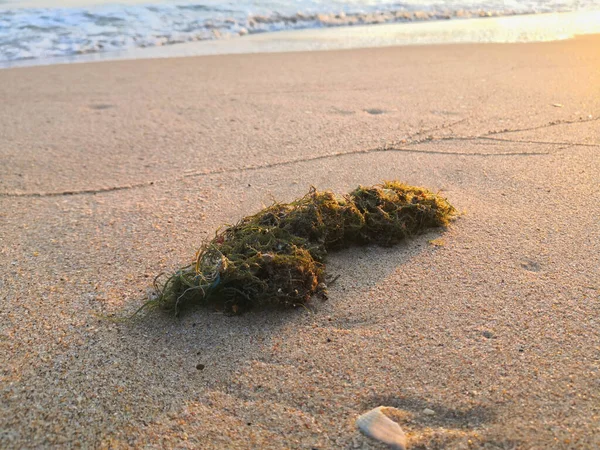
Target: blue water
<point x="40" y="29"/>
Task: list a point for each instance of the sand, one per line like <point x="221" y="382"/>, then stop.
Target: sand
<point x="113" y="172"/>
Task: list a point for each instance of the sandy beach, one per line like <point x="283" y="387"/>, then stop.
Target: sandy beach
<point x="113" y="172"/>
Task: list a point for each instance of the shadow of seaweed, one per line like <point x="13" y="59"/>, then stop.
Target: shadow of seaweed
<point x="210" y="340"/>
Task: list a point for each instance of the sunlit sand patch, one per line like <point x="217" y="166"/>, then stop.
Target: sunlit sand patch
<point x="399" y="429"/>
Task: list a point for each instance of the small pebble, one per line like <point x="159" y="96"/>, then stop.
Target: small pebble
<point x="428" y="412"/>
<point x="200" y="366"/>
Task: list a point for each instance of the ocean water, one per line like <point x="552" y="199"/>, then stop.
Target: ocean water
<point x="45" y="29"/>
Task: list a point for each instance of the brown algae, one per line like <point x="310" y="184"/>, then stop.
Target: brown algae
<point x="276" y="257"/>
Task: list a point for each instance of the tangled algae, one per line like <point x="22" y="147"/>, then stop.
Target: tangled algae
<point x="276" y="257"/>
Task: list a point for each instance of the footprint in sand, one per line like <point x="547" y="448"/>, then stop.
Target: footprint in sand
<point x="531" y="265"/>
<point x="101" y="106"/>
<point x="375" y="111"/>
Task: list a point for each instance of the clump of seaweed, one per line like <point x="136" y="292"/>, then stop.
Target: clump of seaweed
<point x="276" y="257"/>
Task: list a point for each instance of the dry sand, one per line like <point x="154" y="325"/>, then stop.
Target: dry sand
<point x="113" y="172"/>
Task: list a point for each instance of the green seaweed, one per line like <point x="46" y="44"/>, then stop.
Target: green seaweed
<point x="276" y="257"/>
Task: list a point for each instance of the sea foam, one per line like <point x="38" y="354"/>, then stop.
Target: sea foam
<point x="49" y="32"/>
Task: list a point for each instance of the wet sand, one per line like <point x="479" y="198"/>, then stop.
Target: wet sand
<point x="113" y="172"/>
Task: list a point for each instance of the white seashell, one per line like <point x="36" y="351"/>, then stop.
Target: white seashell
<point x="377" y="425"/>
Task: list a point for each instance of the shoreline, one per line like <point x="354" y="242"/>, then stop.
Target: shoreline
<point x="546" y="27"/>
